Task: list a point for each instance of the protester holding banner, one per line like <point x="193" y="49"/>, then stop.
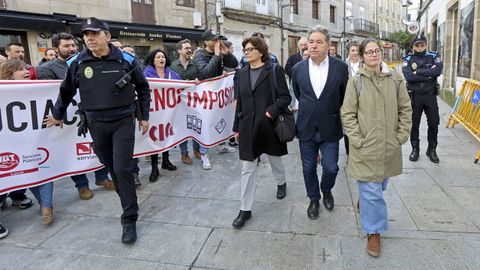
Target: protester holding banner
<point x="108" y="81"/>
<point x="186" y="68"/>
<point x="15" y="69"/>
<point x="255" y="114"/>
<point x="157" y="66"/>
<point x="64" y="45"/>
<point x="211" y="62"/>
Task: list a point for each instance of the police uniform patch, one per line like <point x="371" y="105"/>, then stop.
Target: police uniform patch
<point x="414" y="66"/>
<point x="88" y="72"/>
<point x="405" y="63"/>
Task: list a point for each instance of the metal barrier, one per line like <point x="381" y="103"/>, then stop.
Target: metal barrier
<point x="466" y="110"/>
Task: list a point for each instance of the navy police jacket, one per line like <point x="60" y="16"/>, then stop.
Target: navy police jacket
<point x="421" y="71"/>
<point x="103" y="99"/>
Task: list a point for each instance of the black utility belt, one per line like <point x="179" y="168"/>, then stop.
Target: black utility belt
<point x="432" y="92"/>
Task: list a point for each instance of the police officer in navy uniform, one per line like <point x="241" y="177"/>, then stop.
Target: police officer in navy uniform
<point x="421" y="69"/>
<point x="109" y="81"/>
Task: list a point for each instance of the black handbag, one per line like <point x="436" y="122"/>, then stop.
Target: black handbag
<point x="284" y="125"/>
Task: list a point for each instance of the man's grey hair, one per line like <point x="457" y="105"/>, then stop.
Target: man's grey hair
<point x="319" y="29"/>
<point x="300" y="40"/>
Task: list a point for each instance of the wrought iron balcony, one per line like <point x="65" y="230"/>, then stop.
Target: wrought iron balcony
<point x="365" y="27"/>
<point x="256" y="11"/>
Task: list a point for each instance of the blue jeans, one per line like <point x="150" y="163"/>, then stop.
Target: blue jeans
<point x="81" y="180"/>
<point x="184" y="147"/>
<point x="44" y="194"/>
<point x="373" y="209"/>
<point x="309" y="152"/>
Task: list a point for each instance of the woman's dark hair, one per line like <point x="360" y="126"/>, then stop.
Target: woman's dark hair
<point x="151" y="56"/>
<point x="361" y="48"/>
<point x="352" y="44"/>
<point x="260" y="45"/>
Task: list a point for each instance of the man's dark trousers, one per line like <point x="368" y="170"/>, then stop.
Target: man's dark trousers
<point x="425" y="102"/>
<point x="113" y="143"/>
<point x="309" y="152"/>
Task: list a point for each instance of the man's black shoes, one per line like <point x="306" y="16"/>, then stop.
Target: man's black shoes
<point x="281" y="191"/>
<point x="328" y="201"/>
<point x="242" y="217"/>
<point x="129" y="235"/>
<point x="312" y="211"/>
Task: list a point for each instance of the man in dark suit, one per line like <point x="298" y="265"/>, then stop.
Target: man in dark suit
<point x="297" y="57"/>
<point x="319" y="84"/>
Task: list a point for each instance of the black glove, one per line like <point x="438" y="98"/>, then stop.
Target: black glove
<point x="82" y="124"/>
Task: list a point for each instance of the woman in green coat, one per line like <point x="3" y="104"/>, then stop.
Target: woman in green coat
<point x="377" y="118"/>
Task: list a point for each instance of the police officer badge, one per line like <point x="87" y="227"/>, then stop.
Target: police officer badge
<point x="414" y="66"/>
<point x="88" y="72"/>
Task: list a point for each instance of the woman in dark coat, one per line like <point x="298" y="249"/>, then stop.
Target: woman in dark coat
<point x="254" y="121"/>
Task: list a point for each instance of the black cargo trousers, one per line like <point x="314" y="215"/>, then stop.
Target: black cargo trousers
<point x="425" y="102"/>
<point x="113" y="143"/>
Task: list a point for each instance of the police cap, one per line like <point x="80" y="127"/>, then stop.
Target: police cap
<point x="419" y="39"/>
<point x="94" y="24"/>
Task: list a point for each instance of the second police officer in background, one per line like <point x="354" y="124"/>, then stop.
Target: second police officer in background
<point x="421" y="69"/>
<point x="108" y="80"/>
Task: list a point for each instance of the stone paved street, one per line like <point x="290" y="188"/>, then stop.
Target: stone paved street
<point x="185" y="219"/>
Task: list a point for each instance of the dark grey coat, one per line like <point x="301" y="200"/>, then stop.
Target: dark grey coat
<point x="256" y="131"/>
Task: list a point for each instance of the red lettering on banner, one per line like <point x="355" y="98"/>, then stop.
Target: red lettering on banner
<point x="197" y="99"/>
<point x="213" y="98"/>
<point x="165" y="98"/>
<point x="163" y="132"/>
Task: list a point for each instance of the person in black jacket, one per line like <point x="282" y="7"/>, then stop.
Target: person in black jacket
<point x="319" y="84"/>
<point x="254" y="121"/>
<point x="108" y="80"/>
<point x="421" y="70"/>
<point x="297" y="57"/>
<point x="211" y="62"/>
<point x="64" y="45"/>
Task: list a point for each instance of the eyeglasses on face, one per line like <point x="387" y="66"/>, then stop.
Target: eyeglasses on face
<point x="371" y="52"/>
<point x="248" y="50"/>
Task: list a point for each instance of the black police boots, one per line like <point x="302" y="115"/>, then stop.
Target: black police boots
<point x="166" y="164"/>
<point x="415" y="151"/>
<point x="129" y="235"/>
<point x="432" y="152"/>
<point x="155" y="173"/>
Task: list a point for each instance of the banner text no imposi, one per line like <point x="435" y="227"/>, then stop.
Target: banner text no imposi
<point x="31" y="154"/>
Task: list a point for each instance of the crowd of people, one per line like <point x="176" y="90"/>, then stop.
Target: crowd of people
<point x="358" y="99"/>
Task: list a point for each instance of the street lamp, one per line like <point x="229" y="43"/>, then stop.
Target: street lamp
<point x="282" y="39"/>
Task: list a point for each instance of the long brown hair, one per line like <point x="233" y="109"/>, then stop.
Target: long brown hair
<point x="8" y="67"/>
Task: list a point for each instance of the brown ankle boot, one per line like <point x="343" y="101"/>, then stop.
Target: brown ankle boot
<point x="47" y="215"/>
<point x="373" y="245"/>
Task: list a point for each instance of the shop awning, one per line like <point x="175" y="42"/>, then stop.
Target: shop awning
<point x="62" y="22"/>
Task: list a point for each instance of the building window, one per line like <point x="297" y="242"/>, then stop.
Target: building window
<point x="362" y="13"/>
<point x="186" y="3"/>
<point x="315" y="9"/>
<point x="143" y="11"/>
<point x="295" y="6"/>
<point x="332" y="14"/>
